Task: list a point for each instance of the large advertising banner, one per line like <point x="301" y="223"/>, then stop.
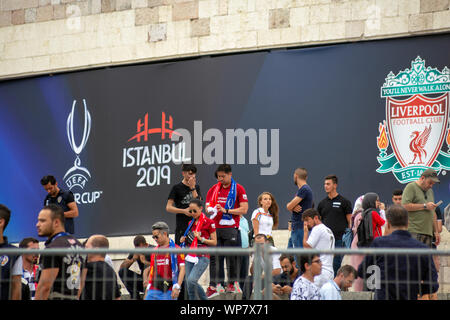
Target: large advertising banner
<point x="375" y="113"/>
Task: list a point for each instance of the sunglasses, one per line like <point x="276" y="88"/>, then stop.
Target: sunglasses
<point x="192" y="211"/>
<point x="155" y="237"/>
<point x="316" y="261"/>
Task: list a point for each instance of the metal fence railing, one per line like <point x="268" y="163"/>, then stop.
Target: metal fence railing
<point x="402" y="270"/>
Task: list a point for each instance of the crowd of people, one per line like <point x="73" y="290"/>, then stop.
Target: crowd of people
<point x="413" y="220"/>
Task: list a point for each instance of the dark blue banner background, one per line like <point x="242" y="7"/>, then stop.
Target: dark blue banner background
<point x="325" y="101"/>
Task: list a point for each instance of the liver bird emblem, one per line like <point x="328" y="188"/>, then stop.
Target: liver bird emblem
<point x="417" y="144"/>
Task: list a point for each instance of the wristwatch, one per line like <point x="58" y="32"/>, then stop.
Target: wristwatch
<point x="202" y="239"/>
<point x="193" y="189"/>
<point x="424" y="205"/>
<point x="176" y="286"/>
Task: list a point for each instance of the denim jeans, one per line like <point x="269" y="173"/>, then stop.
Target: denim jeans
<point x="290" y="244"/>
<point x="158" y="295"/>
<point x="296" y="241"/>
<point x="337" y="260"/>
<point x="297" y="238"/>
<point x="193" y="273"/>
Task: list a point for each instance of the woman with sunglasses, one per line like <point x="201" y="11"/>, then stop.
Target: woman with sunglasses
<point x="201" y="232"/>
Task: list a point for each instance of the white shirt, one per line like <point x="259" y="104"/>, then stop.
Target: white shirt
<point x="29" y="278"/>
<point x="17" y="269"/>
<point x="265" y="220"/>
<point x="108" y="260"/>
<point x="330" y="291"/>
<point x="322" y="238"/>
<point x="383" y="214"/>
<point x="304" y="289"/>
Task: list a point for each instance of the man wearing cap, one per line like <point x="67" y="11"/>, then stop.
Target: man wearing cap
<point x="418" y="200"/>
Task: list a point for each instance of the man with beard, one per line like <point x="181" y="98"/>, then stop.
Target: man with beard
<point x="282" y="284"/>
<point x="302" y="201"/>
<point x="344" y="280"/>
<point x="60" y="278"/>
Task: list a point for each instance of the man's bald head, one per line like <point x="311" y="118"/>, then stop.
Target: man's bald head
<point x="97" y="241"/>
<point x="301" y="173"/>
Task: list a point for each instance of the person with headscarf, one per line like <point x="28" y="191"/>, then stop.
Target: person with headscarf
<point x="371" y="203"/>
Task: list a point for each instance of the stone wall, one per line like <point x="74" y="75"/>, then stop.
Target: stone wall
<point x="42" y="36"/>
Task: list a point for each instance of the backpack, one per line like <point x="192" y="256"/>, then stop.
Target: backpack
<point x="365" y="229"/>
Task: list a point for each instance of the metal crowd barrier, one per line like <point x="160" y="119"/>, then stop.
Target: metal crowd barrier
<point x="259" y="251"/>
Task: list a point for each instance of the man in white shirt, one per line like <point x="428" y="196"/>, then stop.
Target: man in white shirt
<point x="320" y="238"/>
<point x="344" y="280"/>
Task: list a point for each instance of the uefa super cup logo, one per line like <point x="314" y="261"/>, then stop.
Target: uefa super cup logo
<point x="77" y="175"/>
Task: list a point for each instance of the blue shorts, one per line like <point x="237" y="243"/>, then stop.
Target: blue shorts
<point x="158" y="295"/>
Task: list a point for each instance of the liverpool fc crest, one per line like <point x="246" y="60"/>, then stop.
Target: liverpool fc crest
<point x="417" y="122"/>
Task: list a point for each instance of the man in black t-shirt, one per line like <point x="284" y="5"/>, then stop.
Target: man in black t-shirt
<point x="99" y="280"/>
<point x="132" y="280"/>
<point x="179" y="198"/>
<point x="61" y="274"/>
<point x="10" y="265"/>
<point x="64" y="199"/>
<point x="336" y="214"/>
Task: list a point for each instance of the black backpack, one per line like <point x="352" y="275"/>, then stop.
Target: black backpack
<point x="365" y="229"/>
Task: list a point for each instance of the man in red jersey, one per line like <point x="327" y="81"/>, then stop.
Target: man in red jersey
<point x="166" y="270"/>
<point x="226" y="202"/>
